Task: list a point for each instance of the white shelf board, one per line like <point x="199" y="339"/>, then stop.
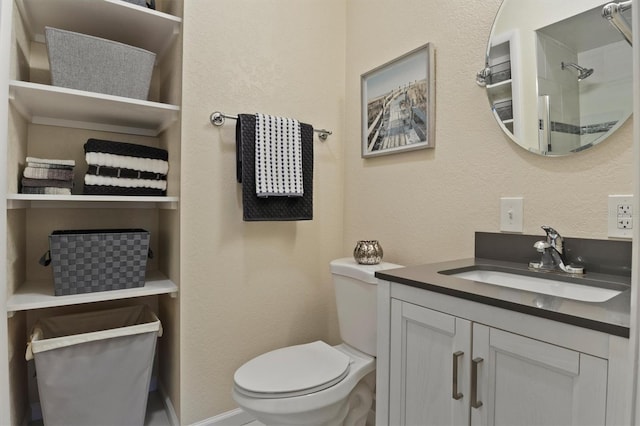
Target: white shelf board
<point x="17" y="201"/>
<point x="501" y="90"/>
<point x="39" y="294"/>
<point x="60" y="106"/>
<point x="110" y="19"/>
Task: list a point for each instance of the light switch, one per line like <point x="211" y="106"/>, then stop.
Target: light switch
<point x="511" y="214"/>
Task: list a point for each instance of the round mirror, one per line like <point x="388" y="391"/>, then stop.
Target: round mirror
<point x="558" y="73"/>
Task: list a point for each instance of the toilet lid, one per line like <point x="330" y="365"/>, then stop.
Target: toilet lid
<point x="292" y="371"/>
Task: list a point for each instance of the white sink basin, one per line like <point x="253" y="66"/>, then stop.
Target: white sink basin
<point x="567" y="290"/>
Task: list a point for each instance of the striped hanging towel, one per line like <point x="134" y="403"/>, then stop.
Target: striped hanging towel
<point x="278" y="156"/>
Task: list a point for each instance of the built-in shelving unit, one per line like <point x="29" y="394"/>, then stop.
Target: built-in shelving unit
<point x="33" y="107"/>
<point x="60" y="106"/>
<point x="21" y="201"/>
<point x="111" y="19"/>
<point x="499" y="85"/>
<point x="39" y="294"/>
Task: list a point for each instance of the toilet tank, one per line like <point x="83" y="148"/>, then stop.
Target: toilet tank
<point x="356" y="301"/>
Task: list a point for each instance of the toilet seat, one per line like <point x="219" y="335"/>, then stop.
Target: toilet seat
<point x="292" y="371"/>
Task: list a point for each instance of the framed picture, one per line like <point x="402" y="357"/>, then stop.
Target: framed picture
<point x="398" y="104"/>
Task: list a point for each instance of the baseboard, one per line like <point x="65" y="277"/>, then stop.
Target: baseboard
<point x="235" y="417"/>
<point x="168" y="406"/>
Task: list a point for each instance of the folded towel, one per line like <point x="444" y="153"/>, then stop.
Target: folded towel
<point x="118" y="190"/>
<point x="278" y="152"/>
<point x="48" y="190"/>
<point x="125" y="182"/>
<point x="126" y="149"/>
<point x="48" y="166"/>
<point x="51" y="161"/>
<point x="122" y="172"/>
<point x="41" y="183"/>
<point x="272" y="208"/>
<point x="41" y="173"/>
<point x="126" y="162"/>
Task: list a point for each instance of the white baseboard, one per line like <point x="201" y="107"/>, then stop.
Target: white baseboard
<point x="235" y="417"/>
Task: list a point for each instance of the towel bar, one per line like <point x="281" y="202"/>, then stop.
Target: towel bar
<point x="217" y="119"/>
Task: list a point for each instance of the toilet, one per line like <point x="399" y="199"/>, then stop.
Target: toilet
<point x="315" y="383"/>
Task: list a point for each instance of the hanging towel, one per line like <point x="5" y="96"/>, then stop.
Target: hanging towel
<point x="271" y="208"/>
<point x="278" y="152"/>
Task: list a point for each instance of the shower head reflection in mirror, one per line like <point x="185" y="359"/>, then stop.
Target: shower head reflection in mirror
<point x="582" y="71"/>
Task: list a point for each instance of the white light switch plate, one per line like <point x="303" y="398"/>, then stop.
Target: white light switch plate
<point x="620" y="217"/>
<point x="511" y="214"/>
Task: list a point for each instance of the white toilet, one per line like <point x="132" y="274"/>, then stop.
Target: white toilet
<point x="315" y="383"/>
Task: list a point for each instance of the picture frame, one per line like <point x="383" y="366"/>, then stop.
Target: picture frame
<point x="398" y="104"/>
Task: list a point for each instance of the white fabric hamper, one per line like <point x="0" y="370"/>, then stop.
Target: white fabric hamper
<point x="94" y="368"/>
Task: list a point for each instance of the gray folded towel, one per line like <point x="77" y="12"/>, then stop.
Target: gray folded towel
<point x="41" y="183"/>
<point x="48" y="190"/>
<point x="45" y="173"/>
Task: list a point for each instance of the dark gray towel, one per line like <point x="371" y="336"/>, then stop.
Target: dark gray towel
<point x="271" y="208"/>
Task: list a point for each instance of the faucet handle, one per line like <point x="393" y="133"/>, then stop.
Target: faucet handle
<point x="551" y="233"/>
<point x="554" y="238"/>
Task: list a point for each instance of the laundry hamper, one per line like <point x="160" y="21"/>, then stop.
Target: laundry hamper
<point x="94" y="368"/>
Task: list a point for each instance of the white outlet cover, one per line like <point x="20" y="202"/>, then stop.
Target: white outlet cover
<point x="511" y="214"/>
<point x="616" y="215"/>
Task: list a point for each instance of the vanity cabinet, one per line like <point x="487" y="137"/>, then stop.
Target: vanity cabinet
<point x="448" y="361"/>
<point x="446" y="370"/>
<point x="45" y="121"/>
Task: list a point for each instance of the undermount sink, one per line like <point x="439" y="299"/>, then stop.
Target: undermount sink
<point x="543" y="285"/>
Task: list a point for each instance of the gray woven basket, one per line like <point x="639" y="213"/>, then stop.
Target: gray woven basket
<point x="84" y="62"/>
<point x="87" y="261"/>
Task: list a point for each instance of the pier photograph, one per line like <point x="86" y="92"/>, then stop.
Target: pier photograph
<point x="397" y="99"/>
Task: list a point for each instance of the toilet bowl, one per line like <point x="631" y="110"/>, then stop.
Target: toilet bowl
<point x="315" y="383"/>
<point x="312" y="398"/>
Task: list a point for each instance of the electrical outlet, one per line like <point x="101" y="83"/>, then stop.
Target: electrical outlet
<point x="511" y="215"/>
<point x="620" y="216"/>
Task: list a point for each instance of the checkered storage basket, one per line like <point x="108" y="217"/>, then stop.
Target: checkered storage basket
<point x="87" y="261"/>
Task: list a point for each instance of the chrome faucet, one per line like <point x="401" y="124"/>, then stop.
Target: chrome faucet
<point x="552" y="254"/>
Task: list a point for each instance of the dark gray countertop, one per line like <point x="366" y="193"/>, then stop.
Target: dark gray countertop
<point x="610" y="317"/>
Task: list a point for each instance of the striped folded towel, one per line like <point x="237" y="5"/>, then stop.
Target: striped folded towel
<point x="41" y="183"/>
<point x="94" y="180"/>
<point x="48" y="173"/>
<point x="278" y="154"/>
<point x="47" y="190"/>
<point x="50" y="163"/>
<point x="126" y="162"/>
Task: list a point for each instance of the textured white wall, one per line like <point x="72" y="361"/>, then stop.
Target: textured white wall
<point x="247" y="288"/>
<point x="425" y="206"/>
<point x="250" y="287"/>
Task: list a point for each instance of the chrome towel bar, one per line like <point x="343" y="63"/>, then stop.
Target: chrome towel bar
<point x="217" y="119"/>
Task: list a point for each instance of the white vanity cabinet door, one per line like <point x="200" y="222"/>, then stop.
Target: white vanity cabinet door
<point x="522" y="381"/>
<point x="427" y="347"/>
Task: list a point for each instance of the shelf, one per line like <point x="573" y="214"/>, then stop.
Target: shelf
<point x="60" y="106"/>
<point x="501" y="90"/>
<point x="39" y="294"/>
<point x="111" y="19"/>
<point x="21" y="201"/>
